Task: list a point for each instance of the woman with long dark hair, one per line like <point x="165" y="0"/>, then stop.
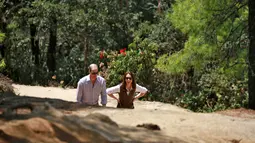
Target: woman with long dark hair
<point x="127" y="90"/>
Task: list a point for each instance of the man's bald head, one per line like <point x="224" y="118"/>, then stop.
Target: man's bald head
<point x="93" y="68"/>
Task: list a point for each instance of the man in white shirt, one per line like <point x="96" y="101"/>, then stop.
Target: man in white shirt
<point x="91" y="87"/>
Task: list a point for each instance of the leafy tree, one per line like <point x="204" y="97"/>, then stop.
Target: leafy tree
<point x="203" y="45"/>
<point x="150" y="41"/>
<point x="251" y="62"/>
<point x="2" y="37"/>
<point x="216" y="46"/>
<point x="62" y="37"/>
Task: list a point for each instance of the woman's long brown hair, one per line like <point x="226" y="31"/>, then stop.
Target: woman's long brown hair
<point x="123" y="86"/>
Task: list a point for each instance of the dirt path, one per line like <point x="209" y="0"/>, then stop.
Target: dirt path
<point x="173" y="121"/>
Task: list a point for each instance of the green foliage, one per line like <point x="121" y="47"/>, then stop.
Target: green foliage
<point x="95" y="25"/>
<point x="141" y="64"/>
<point x="151" y="41"/>
<point x="217" y="92"/>
<point x="204" y="45"/>
<point x="183" y="55"/>
<point x="217" y="41"/>
<point x="2" y="66"/>
<point x="2" y="36"/>
<point x="22" y="59"/>
<point x="70" y="68"/>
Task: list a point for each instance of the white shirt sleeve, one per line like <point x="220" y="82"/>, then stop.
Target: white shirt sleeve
<point x="103" y="94"/>
<point x="114" y="89"/>
<point x="79" y="92"/>
<point x="141" y="89"/>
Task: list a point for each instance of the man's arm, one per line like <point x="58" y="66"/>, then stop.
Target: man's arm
<point x="79" y="92"/>
<point x="103" y="94"/>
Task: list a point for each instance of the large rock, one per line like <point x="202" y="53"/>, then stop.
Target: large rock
<point x="46" y="124"/>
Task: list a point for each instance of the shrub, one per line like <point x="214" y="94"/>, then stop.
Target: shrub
<point x="2" y="66"/>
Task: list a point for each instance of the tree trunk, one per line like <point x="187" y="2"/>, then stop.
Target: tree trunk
<point x="51" y="53"/>
<point x="251" y="72"/>
<point x="85" y="52"/>
<point x="3" y="29"/>
<point x="34" y="44"/>
<point x="2" y="50"/>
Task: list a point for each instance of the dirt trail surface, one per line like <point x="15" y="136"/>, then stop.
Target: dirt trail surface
<point x="173" y="121"/>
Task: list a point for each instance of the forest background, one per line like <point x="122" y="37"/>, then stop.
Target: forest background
<point x="197" y="54"/>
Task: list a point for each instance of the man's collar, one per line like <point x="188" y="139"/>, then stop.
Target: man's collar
<point x="89" y="78"/>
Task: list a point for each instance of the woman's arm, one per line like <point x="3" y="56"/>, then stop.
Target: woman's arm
<point x="142" y="91"/>
<point x="139" y="95"/>
<point x="115" y="89"/>
<point x="111" y="95"/>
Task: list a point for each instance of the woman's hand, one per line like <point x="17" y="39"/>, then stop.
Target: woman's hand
<point x="134" y="99"/>
<point x="138" y="96"/>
